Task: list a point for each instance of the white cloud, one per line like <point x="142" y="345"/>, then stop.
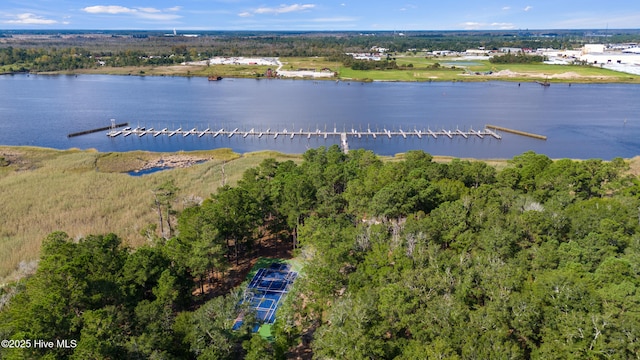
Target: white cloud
<point x="245" y="14"/>
<point x="528" y="7"/>
<point x="506" y="8"/>
<point x="30" y="19"/>
<point x="149" y="10"/>
<point x="110" y="9"/>
<point x="282" y="9"/>
<point x="148" y="13"/>
<point x="472" y="25"/>
<point x="157" y="16"/>
<point x="503" y="26"/>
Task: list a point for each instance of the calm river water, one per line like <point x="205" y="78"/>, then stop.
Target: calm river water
<point x="580" y="121"/>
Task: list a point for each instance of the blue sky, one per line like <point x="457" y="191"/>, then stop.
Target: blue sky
<point x="400" y="15"/>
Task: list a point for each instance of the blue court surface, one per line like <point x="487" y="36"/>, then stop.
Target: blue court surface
<point x="265" y="291"/>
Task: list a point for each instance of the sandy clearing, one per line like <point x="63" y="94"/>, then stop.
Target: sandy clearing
<point x="173" y="161"/>
<point x="565" y="75"/>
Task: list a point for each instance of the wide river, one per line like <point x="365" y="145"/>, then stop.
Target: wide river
<point x="581" y="121"/>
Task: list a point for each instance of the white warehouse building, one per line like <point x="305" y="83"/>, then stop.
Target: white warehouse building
<point x="595" y="54"/>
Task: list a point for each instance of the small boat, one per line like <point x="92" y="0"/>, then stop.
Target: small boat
<point x="215" y="78"/>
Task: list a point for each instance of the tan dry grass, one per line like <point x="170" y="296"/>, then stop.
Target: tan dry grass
<point x="634" y="166"/>
<point x="46" y="190"/>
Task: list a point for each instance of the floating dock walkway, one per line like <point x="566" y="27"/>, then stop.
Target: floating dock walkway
<point x="141" y="131"/>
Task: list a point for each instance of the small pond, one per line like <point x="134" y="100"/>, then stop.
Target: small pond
<point x="148" y="171"/>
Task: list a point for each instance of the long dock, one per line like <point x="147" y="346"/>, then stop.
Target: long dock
<point x="516" y="132"/>
<point x="85" y="132"/>
<point x="141" y="131"/>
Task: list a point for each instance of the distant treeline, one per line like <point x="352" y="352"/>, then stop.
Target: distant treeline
<point x="517" y="58"/>
<point x="45" y="59"/>
<point x="82" y="51"/>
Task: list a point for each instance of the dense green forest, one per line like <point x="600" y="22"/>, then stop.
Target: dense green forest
<point x="411" y="259"/>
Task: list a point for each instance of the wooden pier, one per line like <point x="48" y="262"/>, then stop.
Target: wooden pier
<point x="141" y="131"/>
<point x="517" y="132"/>
<point x="85" y="132"/>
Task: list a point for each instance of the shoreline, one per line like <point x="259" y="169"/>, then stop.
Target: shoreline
<point x="515" y="73"/>
<point x="185" y="159"/>
<point x="523" y="78"/>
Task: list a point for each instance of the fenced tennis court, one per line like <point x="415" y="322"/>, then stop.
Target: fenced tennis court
<point x="265" y="291"/>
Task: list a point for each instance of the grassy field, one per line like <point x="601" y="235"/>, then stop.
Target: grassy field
<point x="421" y="70"/>
<point x="448" y="71"/>
<point x="402" y="75"/>
<point x="317" y="63"/>
<point x="86" y="192"/>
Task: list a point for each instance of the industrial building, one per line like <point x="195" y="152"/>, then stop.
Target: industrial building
<point x="625" y="60"/>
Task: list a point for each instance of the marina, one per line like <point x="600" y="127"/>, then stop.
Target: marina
<point x="142" y="131"/>
<point x="416" y="116"/>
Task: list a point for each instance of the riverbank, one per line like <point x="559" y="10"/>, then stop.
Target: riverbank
<point x="571" y="76"/>
<point x="410" y="69"/>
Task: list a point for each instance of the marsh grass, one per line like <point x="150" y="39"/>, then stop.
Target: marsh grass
<point x="86" y="192"/>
